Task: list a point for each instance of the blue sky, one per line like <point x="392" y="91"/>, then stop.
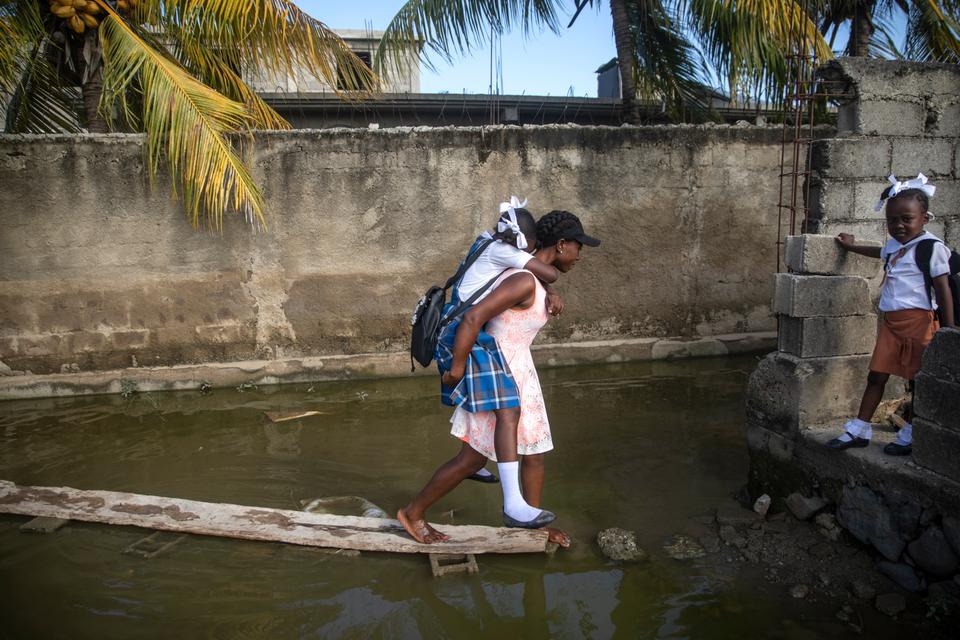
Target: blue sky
<point x="542" y="64"/>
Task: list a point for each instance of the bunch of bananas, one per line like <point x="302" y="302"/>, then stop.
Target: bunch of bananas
<point x="79" y="14"/>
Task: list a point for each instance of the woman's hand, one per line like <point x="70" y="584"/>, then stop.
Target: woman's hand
<point x="847" y="241"/>
<point x="451" y="379"/>
<point x="554" y="304"/>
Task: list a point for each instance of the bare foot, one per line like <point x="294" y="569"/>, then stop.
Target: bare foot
<point x="419" y="530"/>
<point x="557" y="536"/>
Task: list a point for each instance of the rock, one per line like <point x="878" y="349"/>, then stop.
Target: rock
<point x="620" y="544"/>
<point x="804" y="508"/>
<point x="824" y="578"/>
<point x="932" y="553"/>
<point x="867" y="518"/>
<point x="900" y="573"/>
<point x="951" y="529"/>
<point x="731" y="513"/>
<point x="827" y="526"/>
<point x="799" y="591"/>
<point x="5" y="370"/>
<point x="891" y="604"/>
<point x="751" y="556"/>
<point x="762" y="505"/>
<point x="731" y="536"/>
<point x="710" y="543"/>
<point x="681" y="547"/>
<point x="863" y="590"/>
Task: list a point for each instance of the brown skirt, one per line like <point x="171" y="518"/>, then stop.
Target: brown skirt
<point x="901" y="339"/>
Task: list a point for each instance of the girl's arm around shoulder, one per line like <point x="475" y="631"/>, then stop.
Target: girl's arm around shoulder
<point x="941" y="287"/>
<point x="849" y="242"/>
<point x="546" y="273"/>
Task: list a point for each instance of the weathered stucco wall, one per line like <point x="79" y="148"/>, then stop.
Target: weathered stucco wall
<point x="97" y="268"/>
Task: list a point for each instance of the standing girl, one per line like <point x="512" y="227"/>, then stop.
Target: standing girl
<point x="909" y="309"/>
<point x="478" y="372"/>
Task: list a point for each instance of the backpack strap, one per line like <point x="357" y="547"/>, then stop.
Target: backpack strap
<point x="922" y="255"/>
<point x="463" y="306"/>
<point x="468" y="262"/>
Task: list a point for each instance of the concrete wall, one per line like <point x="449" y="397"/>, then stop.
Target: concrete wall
<point x="97" y="269"/>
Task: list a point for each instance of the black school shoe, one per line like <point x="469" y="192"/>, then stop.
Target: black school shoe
<point x="542" y="520"/>
<point x="856" y="443"/>
<point x="894" y="449"/>
<point x="487" y="479"/>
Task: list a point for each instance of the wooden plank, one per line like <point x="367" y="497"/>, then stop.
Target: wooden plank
<point x="257" y="523"/>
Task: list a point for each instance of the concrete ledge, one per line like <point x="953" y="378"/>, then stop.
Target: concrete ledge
<point x="359" y="366"/>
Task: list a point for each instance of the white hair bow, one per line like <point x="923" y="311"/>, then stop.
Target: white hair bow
<point x="508" y="220"/>
<point x="920" y="182"/>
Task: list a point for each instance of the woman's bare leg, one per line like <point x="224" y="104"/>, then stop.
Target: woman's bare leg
<point x="444" y="480"/>
<point x="505" y="434"/>
<point x="531" y="475"/>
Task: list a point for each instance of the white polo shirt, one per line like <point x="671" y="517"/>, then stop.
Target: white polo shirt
<point x="496" y="258"/>
<point x="903" y="287"/>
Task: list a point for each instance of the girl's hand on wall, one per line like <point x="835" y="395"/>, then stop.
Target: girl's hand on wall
<point x="846" y="240"/>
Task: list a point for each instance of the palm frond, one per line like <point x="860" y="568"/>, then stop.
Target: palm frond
<point x="186" y="122"/>
<point x="21" y="28"/>
<point x="668" y="67"/>
<point x="39" y="102"/>
<point x="214" y="69"/>
<point x="932" y="32"/>
<point x="272" y="36"/>
<point x="451" y="27"/>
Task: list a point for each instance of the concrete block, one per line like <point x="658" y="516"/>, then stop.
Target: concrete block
<point x="946" y="201"/>
<point x="819" y="254"/>
<point x="852" y="157"/>
<point x="941" y="359"/>
<point x="864" y="230"/>
<point x="828" y="336"/>
<point x="938" y="401"/>
<point x="945" y="118"/>
<point x="786" y="393"/>
<point x="936" y="448"/>
<point x="882" y="117"/>
<point x="807" y="296"/>
<point x="930" y="156"/>
<point x="778" y="446"/>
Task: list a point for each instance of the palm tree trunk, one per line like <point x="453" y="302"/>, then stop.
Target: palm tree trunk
<point x="92" y="86"/>
<point x="625" y="60"/>
<point x="861" y="29"/>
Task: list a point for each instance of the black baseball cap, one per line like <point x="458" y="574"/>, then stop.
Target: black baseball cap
<point x="570" y="229"/>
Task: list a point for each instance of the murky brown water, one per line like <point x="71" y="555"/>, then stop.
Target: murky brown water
<point x="647" y="446"/>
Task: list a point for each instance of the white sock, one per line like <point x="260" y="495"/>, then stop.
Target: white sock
<point x="905" y="435"/>
<point x="483" y="472"/>
<point x="858" y="428"/>
<point x="513" y="503"/>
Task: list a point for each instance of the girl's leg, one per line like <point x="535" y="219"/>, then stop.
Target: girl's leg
<point x="872" y="395"/>
<point x="858" y="432"/>
<point x="516" y="510"/>
<point x="444" y="480"/>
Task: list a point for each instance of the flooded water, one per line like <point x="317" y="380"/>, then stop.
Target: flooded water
<point x="651" y="447"/>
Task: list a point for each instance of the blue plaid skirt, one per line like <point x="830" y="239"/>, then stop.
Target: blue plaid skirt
<point x="487" y="384"/>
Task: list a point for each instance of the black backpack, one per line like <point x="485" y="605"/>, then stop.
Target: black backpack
<point x="428" y="316"/>
<point x="924" y="252"/>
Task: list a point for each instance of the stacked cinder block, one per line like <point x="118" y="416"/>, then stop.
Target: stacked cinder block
<point x="894" y="118"/>
<point x="936" y="425"/>
<point x="826" y="335"/>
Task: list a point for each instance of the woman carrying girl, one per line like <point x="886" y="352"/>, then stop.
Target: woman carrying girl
<point x="500" y="412"/>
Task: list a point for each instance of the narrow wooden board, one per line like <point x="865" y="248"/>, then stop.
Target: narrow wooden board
<point x="282" y="416"/>
<point x="257" y="523"/>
